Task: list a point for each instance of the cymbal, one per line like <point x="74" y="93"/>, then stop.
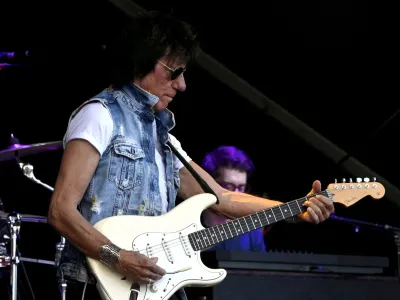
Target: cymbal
<point x="25" y="217"/>
<point x="24" y="150"/>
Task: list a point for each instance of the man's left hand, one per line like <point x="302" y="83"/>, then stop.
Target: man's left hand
<point x="319" y="207"/>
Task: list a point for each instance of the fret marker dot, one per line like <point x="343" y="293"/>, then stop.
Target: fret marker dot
<point x="285" y="210"/>
<point x="269" y="216"/>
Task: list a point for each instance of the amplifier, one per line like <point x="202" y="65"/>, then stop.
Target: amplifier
<point x="282" y="276"/>
<point x="299" y="262"/>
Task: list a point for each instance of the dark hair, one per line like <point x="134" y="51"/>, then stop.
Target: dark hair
<point x="144" y="40"/>
<point x="227" y="157"/>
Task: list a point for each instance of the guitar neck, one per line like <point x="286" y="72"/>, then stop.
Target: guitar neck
<point x="206" y="238"/>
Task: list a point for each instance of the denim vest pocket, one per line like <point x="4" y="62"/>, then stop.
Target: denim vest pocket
<point x="126" y="165"/>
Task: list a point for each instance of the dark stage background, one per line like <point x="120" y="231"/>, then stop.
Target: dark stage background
<point x="328" y="63"/>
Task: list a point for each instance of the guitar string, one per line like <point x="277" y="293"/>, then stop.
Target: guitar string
<point x="174" y="242"/>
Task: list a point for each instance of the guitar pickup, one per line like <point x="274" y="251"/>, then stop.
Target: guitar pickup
<point x="184" y="243"/>
<point x="167" y="251"/>
<point x="149" y="250"/>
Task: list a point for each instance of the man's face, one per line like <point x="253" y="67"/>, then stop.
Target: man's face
<point x="231" y="179"/>
<point x="161" y="82"/>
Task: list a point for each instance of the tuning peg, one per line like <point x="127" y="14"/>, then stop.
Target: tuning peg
<point x="374" y="179"/>
<point x="366" y="179"/>
<point x="351" y="180"/>
<point x="359" y="179"/>
<point x="335" y="180"/>
<point x="344" y="180"/>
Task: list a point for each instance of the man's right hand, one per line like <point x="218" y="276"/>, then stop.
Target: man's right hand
<point x="139" y="268"/>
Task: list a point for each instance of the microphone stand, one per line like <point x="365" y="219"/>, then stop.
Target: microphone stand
<point x="27" y="170"/>
<point x="369" y="224"/>
<point x="384" y="227"/>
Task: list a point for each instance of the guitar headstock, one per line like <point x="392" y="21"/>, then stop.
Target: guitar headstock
<point x="349" y="193"/>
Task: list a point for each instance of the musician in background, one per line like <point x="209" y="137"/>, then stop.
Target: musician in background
<point x="118" y="159"/>
<point x="231" y="168"/>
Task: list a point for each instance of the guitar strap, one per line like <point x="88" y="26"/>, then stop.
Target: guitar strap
<point x="206" y="188"/>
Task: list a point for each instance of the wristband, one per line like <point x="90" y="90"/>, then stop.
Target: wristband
<point x="109" y="254"/>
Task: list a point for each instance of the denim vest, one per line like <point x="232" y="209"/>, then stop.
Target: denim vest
<point x="126" y="179"/>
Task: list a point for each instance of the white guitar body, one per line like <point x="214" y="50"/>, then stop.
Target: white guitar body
<point x="164" y="237"/>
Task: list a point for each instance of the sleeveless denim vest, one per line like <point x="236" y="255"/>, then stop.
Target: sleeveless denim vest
<point x="126" y="179"/>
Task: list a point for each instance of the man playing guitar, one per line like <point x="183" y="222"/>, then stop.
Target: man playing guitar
<point x="117" y="161"/>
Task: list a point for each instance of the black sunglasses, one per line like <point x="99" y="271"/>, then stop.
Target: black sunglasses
<point x="174" y="73"/>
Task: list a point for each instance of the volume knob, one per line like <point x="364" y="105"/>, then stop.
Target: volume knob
<point x="153" y="288"/>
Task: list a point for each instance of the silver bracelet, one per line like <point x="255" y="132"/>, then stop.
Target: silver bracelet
<point x="109" y="254"/>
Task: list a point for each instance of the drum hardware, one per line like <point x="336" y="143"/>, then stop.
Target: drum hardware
<point x="62" y="282"/>
<point x="14" y="226"/>
<point x="37" y="261"/>
<point x="14" y="259"/>
<point x="5" y="261"/>
<point x="14" y="223"/>
<point x="17" y="150"/>
<point x="4" y="258"/>
<point x="27" y="170"/>
<point x="25" y="218"/>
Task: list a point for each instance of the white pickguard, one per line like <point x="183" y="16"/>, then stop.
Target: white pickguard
<point x="164" y="237"/>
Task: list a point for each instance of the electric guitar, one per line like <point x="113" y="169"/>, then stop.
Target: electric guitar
<point x="177" y="238"/>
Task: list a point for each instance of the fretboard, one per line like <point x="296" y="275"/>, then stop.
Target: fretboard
<point x="206" y="238"/>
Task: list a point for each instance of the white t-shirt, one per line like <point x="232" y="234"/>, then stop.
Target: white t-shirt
<point x="94" y="124"/>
